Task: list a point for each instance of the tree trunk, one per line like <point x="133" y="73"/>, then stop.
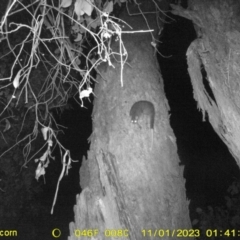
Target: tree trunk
<point x="131" y="185"/>
<point x="217" y="50"/>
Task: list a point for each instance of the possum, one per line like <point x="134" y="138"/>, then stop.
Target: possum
<point x="141" y="108"/>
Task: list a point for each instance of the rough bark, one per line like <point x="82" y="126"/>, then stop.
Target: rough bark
<point x="217" y="49"/>
<point x="127" y="184"/>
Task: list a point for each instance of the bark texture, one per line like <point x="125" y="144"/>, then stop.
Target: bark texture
<point x="127" y="184"/>
<point x="217" y="49"/>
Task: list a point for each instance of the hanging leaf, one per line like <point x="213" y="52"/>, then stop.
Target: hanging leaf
<point x="16" y="79"/>
<point x="50" y="142"/>
<point x="7" y="126"/>
<point x="44" y="132"/>
<point x="108" y="8"/>
<point x="81" y="7"/>
<point x="66" y="3"/>
<point x="85" y="93"/>
<point x="87" y="8"/>
<point x="44" y="156"/>
<point x="92" y="23"/>
<point x="39" y="171"/>
<point x="78" y="38"/>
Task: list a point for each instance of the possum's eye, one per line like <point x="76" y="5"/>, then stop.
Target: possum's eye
<point x="135" y="120"/>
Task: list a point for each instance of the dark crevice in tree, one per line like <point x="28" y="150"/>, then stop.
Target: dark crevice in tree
<point x="206" y="83"/>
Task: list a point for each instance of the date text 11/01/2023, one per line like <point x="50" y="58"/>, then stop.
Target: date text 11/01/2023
<point x="192" y="233"/>
<point x="161" y="233"/>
